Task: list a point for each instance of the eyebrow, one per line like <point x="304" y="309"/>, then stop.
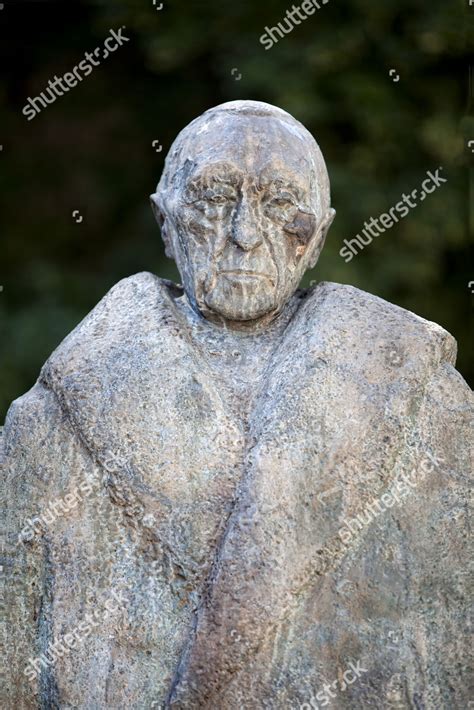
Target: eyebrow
<point x="274" y="177"/>
<point x="284" y="183"/>
<point x="218" y="172"/>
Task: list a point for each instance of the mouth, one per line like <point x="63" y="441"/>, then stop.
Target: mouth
<point x="245" y="274"/>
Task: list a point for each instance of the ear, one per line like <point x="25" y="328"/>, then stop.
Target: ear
<point x="320" y="236"/>
<point x="155" y="206"/>
<point x="160" y="218"/>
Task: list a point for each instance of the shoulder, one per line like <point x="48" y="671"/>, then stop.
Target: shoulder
<point x="27" y="418"/>
<point x="34" y="440"/>
<point x="131" y="311"/>
<point x="118" y="352"/>
<point x="143" y="286"/>
<point x="366" y="321"/>
<point x="130" y="297"/>
<point x="119" y="328"/>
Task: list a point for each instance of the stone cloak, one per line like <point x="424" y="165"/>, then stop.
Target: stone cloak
<point x="224" y="537"/>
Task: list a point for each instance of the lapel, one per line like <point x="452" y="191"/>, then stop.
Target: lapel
<point x="330" y="428"/>
<point x="257" y="516"/>
<point x="143" y="403"/>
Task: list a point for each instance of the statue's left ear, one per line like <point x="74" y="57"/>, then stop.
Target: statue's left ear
<point x="320" y="236"/>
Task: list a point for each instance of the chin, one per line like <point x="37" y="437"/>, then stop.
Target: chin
<point x="241" y="299"/>
<point x="240" y="309"/>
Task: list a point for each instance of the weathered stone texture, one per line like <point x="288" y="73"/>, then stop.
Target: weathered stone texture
<point x="229" y="475"/>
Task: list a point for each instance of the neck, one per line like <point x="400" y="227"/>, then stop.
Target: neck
<point x="273" y="322"/>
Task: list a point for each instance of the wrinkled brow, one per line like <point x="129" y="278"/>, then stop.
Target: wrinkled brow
<point x="275" y="180"/>
<point x="216" y="173"/>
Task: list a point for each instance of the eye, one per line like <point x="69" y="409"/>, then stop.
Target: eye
<point x="282" y="201"/>
<point x="217" y="199"/>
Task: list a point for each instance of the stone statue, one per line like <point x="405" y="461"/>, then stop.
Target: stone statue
<point x="234" y="493"/>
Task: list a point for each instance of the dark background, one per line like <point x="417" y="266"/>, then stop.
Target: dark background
<point x="92" y="149"/>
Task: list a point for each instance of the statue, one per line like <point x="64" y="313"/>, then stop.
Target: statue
<point x="234" y="493"/>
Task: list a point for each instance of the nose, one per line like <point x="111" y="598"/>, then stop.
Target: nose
<point x="245" y="227"/>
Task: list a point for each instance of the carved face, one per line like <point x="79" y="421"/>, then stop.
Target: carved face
<point x="243" y="218"/>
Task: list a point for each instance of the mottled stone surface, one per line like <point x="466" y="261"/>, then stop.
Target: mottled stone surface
<point x="236" y="490"/>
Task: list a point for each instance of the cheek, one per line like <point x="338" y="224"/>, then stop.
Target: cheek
<point x="273" y="235"/>
<point x="285" y="247"/>
<point x="301" y="228"/>
<point x="205" y="220"/>
<point x="196" y="223"/>
<point x="298" y="233"/>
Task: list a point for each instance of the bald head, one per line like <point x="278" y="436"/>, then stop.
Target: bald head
<point x="269" y="123"/>
<point x="244" y="205"/>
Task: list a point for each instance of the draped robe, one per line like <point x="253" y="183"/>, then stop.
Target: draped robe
<point x="251" y="570"/>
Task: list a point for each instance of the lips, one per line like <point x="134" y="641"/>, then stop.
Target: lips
<point x="245" y="274"/>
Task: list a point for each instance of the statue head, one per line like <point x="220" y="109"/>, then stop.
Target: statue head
<point x="244" y="208"/>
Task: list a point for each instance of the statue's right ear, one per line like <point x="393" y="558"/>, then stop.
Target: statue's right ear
<point x="155" y="206"/>
<point x="160" y="218"/>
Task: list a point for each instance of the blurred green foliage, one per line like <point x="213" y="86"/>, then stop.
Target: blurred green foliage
<point x="92" y="149"/>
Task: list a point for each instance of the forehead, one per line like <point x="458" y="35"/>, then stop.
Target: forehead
<point x="260" y="146"/>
